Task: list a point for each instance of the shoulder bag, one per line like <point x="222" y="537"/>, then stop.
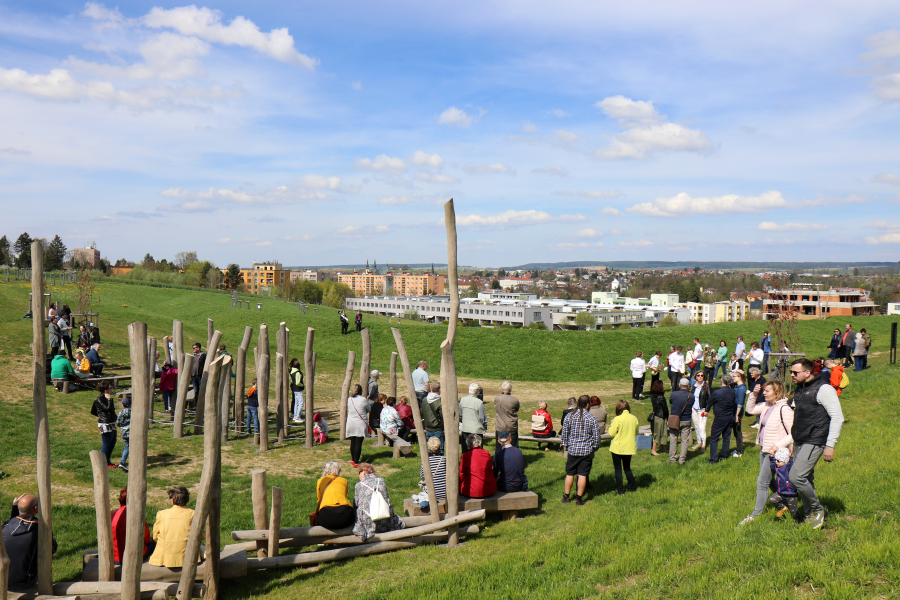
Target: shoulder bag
<point x="378" y="506"/>
<point x="314" y="516"/>
<point x="674" y="421"/>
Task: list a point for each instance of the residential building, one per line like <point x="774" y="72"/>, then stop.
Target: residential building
<point x="408" y="284"/>
<point x="516" y="283"/>
<point x="89" y="255"/>
<point x="366" y="283"/>
<point x="663" y="299"/>
<point x="716" y="312"/>
<point x="811" y="303"/>
<point x="499" y="295"/>
<point x="263" y="277"/>
<point x="307" y="275"/>
<point x="893" y="308"/>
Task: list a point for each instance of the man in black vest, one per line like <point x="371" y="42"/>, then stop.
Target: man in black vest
<point x="817" y="425"/>
<point x="722" y="403"/>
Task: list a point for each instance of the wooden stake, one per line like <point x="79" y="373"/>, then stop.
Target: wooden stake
<point x="393" y="384"/>
<point x="258" y="491"/>
<point x="366" y="362"/>
<point x="279" y="395"/>
<point x="417" y="419"/>
<point x="178" y="337"/>
<point x="181" y="399"/>
<point x="133" y="556"/>
<point x="286" y="376"/>
<point x="200" y="409"/>
<point x="168" y="350"/>
<point x="275" y="520"/>
<point x="211" y="452"/>
<point x="210" y="347"/>
<point x="262" y="386"/>
<point x="105" y="556"/>
<point x="345" y="392"/>
<point x="213" y="541"/>
<point x="4" y="557"/>
<point x="41" y="425"/>
<point x="449" y="391"/>
<point x="151" y="376"/>
<point x="310" y="383"/>
<point x="240" y="381"/>
<point x="225" y="401"/>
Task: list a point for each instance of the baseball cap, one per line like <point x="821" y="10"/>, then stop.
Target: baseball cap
<point x="684" y="381"/>
<point x="375" y="372"/>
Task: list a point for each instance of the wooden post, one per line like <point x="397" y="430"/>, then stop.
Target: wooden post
<point x="151" y="376"/>
<point x="211" y="452"/>
<point x="286" y="376"/>
<point x="178" y="335"/>
<point x="310" y="383"/>
<point x="105" y="558"/>
<point x="184" y="380"/>
<point x="279" y="394"/>
<point x="449" y="392"/>
<point x="133" y="556"/>
<point x="41" y="425"/>
<point x="262" y="386"/>
<point x="417" y="419"/>
<point x="225" y="401"/>
<point x="4" y="557"/>
<point x="345" y="391"/>
<point x="213" y="523"/>
<point x="366" y="361"/>
<point x="210" y="347"/>
<point x="166" y="340"/>
<point x="258" y="491"/>
<point x="393" y="384"/>
<point x="275" y="520"/>
<point x="240" y="381"/>
<point x="200" y="409"/>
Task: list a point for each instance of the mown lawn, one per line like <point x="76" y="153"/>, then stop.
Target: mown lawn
<point x="677" y="537"/>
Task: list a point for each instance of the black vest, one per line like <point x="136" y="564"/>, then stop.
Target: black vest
<point x="811" y="420"/>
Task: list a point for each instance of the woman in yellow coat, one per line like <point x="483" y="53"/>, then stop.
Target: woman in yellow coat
<point x="623" y="429"/>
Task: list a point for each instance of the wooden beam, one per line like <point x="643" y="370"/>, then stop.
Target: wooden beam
<point x="345" y="392"/>
<point x="366" y="366"/>
<point x="262" y="533"/>
<point x="213" y="522"/>
<point x="200" y="409"/>
<point x="279" y="395"/>
<point x="308" y="359"/>
<point x="71" y="588"/>
<point x="449" y="391"/>
<point x="240" y="381"/>
<point x="417" y="419"/>
<point x="104" y="518"/>
<point x="393" y="374"/>
<point x="262" y="384"/>
<point x="258" y="492"/>
<point x="184" y="380"/>
<point x="275" y="520"/>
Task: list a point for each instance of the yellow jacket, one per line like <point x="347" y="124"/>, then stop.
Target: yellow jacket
<point x="335" y="495"/>
<point x="83" y="366"/>
<point x="624" y="430"/>
<point x="171" y="530"/>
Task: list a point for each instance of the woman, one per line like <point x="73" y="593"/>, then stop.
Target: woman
<point x="357" y="425"/>
<point x="542" y="423"/>
<point x="775" y="423"/>
<point x="740" y="396"/>
<point x="390" y="420"/>
<point x="660" y="416"/>
<point x="653" y="366"/>
<point x="375" y="411"/>
<point x="860" y="352"/>
<point x="167" y="380"/>
<point x="721" y="359"/>
<point x="835" y="343"/>
<point x="171" y="530"/>
<point x="406" y="415"/>
<point x="82" y="365"/>
<point x="570" y="407"/>
<point x="369" y="485"/>
<point x="624" y="430"/>
<point x="333" y="509"/>
<point x="476" y="471"/>
<point x="700" y="395"/>
<point x="104" y="409"/>
<point x="297" y="387"/>
<point x="84" y="338"/>
<point x="118" y="530"/>
<point x="599" y="413"/>
<point x="438" y="465"/>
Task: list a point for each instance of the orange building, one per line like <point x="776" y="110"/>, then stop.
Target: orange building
<point x="368" y="283"/>
<point x="263" y="277"/>
<point x="812" y="303"/>
<point x="408" y="284"/>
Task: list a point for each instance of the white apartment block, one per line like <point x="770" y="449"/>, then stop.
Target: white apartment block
<point x="716" y="312"/>
<point x="893" y="308"/>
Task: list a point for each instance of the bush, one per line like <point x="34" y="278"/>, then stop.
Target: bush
<point x="669" y="321"/>
<point x="412" y="315"/>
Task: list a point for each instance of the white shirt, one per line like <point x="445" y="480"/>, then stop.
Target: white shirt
<point x="698" y="352"/>
<point x="653" y="362"/>
<point x="638" y="367"/>
<point x="420" y="379"/>
<point x="740" y="349"/>
<point x="756" y="356"/>
<point x="676" y="362"/>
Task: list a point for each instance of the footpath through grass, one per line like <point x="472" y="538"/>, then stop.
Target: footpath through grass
<point x="677" y="537"/>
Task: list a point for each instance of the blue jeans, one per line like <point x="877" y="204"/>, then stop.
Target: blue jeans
<point x="109" y="442"/>
<point x="168" y="402"/>
<point x="195" y="381"/>
<point x="437" y="434"/>
<point x="859" y="362"/>
<point x="724" y="367"/>
<point x="298" y="406"/>
<point x="764" y="368"/>
<point x="124" y="459"/>
<point x="253" y="414"/>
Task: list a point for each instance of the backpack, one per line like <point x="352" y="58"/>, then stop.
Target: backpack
<point x="845" y="381"/>
<point x="538" y="423"/>
<point x="378" y="507"/>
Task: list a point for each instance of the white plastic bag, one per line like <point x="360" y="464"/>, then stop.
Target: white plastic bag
<point x="378" y="507"/>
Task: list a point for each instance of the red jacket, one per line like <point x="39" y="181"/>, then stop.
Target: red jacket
<point x="547" y="419"/>
<point x="118" y="527"/>
<point x="167" y="379"/>
<point x="476" y="474"/>
<point x="837" y="373"/>
<point x="406" y="415"/>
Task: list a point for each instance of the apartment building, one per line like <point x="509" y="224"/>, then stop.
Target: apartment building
<point x="369" y="283"/>
<point x="811" y="303"/>
<point x="263" y="277"/>
<point x="366" y="283"/>
<point x="307" y="275"/>
<point x="702" y="313"/>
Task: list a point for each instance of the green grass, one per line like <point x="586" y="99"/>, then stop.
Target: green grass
<point x="677" y="537"/>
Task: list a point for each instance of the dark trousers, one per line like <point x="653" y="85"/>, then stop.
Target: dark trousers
<point x="707" y="375"/>
<point x="168" y="400"/>
<point x="513" y="439"/>
<point x="108" y="443"/>
<point x="195" y="381"/>
<point x="67" y="341"/>
<point x="359" y="326"/>
<point x="720" y="427"/>
<point x="344" y="326"/>
<point x="355" y="448"/>
<point x="620" y="462"/>
<point x="788" y="502"/>
<point x="336" y="517"/>
<point x="674" y="376"/>
<point x="637" y="386"/>
<point x="765" y="363"/>
<point x="738" y="435"/>
<point x="741" y="364"/>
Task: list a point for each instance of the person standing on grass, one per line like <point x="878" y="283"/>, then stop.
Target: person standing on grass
<point x="252" y="409"/>
<point x="868" y="343"/>
<point x="345" y="323"/>
<point x="835" y="344"/>
<point x="197" y="370"/>
<point x="740" y="394"/>
<point x="660" y="416"/>
<point x="506" y="413"/>
<point x="420" y="381"/>
<point x="756" y="379"/>
<point x="55" y="335"/>
<point x="847" y="337"/>
<point x="765" y="345"/>
<point x="167" y="380"/>
<point x="724" y="407"/>
<point x="358" y="321"/>
<point x="65" y="333"/>
<point x="676" y="367"/>
<point x="681" y="402"/>
<point x="104" y="408"/>
<point x="709" y="361"/>
<point x="297" y="387"/>
<point x="721" y="359"/>
<point x="698" y="353"/>
<point x="123" y="422"/>
<point x="472" y="418"/>
<point x="700" y="398"/>
<point x="624" y="429"/>
<point x="756" y="357"/>
<point x="740" y="351"/>
<point x="818" y="419"/>
<point x="638" y="373"/>
<point x="859" y="352"/>
<point x="654" y="365"/>
<point x="358" y="407"/>
<point x="581" y="437"/>
<point x="776" y="421"/>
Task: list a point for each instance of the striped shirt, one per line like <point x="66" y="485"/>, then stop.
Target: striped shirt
<point x="438" y="474"/>
<point x="580" y="433"/>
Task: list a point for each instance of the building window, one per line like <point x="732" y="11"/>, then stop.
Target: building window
<point x="537" y="315"/>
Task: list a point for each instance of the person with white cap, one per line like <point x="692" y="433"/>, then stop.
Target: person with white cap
<point x="373" y="385"/>
<point x="95" y="333"/>
<point x="472" y="418"/>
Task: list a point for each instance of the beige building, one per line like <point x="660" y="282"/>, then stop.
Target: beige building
<point x="307" y="275"/>
<point x="368" y="283"/>
<point x="86" y="256"/>
<point x="716" y="312"/>
<point x="263" y="277"/>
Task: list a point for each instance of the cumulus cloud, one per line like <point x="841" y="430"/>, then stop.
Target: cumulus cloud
<point x="609" y="211"/>
<point x="516" y="217"/>
<point x="383" y="163"/>
<point x="213" y="198"/>
<point x="437" y="178"/>
<point x="455" y="118"/>
<point x="566" y="137"/>
<point x="771" y="226"/>
<point x="553" y="170"/>
<point x="223" y="241"/>
<point x="615" y="231"/>
<point x="884" y="226"/>
<point x="263" y="243"/>
<point x="397" y="200"/>
<point x="359" y="232"/>
<point x="891" y="178"/>
<point x="635" y="244"/>
<point x="321" y="182"/>
<point x="167" y="57"/>
<point x="888" y="238"/>
<point x="487" y="169"/>
<point x="884" y="47"/>
<point x="98" y="12"/>
<point x="558" y="113"/>
<point x="683" y="205"/>
<point x="426" y="160"/>
<point x="833" y="201"/>
<point x="629" y="111"/>
<point x="567" y="245"/>
<point x="529" y="127"/>
<point x="588" y="233"/>
<point x="603" y="194"/>
<point x="59" y="85"/>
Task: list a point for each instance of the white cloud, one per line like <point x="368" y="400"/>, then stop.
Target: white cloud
<point x="567" y="245"/>
<point x="884" y="47"/>
<point x="615" y="231"/>
<point x="455" y="117"/>
<point x="356" y="85"/>
<point x="588" y="233"/>
<point x="99" y="12"/>
<point x="884" y="226"/>
<point x="609" y="211"/>
<point x="167" y="56"/>
<point x="566" y="137"/>
<point x="383" y="163"/>
<point x="603" y="194"/>
<point x="529" y="127"/>
<point x="680" y="248"/>
<point x="397" y="200"/>
<point x="884" y="44"/>
<point x="891" y="178"/>
<point x="630" y="111"/>
<point x="635" y="244"/>
<point x="59" y="85"/>
<point x="321" y="182"/>
<point x="558" y="112"/>
<point x="887" y="87"/>
<point x="223" y="241"/>
<point x="888" y="238"/>
<point x="555" y="171"/>
<point x="833" y="201"/>
<point x="771" y="226"/>
<point x="487" y="169"/>
<point x="198" y="200"/>
<point x="264" y="243"/>
<point x="516" y="217"/>
<point x="438" y="178"/>
<point x="427" y="160"/>
<point x="683" y="205"/>
<point x="15" y="151"/>
<point x="206" y="24"/>
<point x="640" y="142"/>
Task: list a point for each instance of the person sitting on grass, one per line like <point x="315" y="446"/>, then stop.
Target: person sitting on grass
<point x="61" y="368"/>
<point x="369" y="485"/>
<point x="581" y="436"/>
<point x="171" y="530"/>
<point x="476" y="473"/>
<point x="320" y="429"/>
<point x="20" y="536"/>
<point x="118" y="530"/>
<point x="123" y="421"/>
<point x="623" y="429"/>
<point x="509" y="466"/>
<point x="542" y="423"/>
<point x="334" y="509"/>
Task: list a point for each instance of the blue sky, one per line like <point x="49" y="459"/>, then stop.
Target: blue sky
<point x="332" y="132"/>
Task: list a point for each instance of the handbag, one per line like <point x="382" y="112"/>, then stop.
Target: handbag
<point x="674" y="421"/>
<point x="650" y="417"/>
<point x="314" y="516"/>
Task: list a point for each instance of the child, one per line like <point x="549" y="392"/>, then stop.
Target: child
<point x="252" y="408"/>
<point x="733" y="364"/>
<point x="542" y="423"/>
<point x="836" y="376"/>
<point x="786" y="496"/>
<point x="167" y="380"/>
<point x="320" y="429"/>
<point x="124" y="423"/>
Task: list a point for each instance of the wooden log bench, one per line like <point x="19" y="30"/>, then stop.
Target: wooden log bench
<point x="113" y="379"/>
<point x="400" y="446"/>
<point x="65" y="384"/>
<point x="232" y="564"/>
<point x="507" y="503"/>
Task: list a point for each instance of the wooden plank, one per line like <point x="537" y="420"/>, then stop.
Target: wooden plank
<point x="106" y="559"/>
<point x="66" y="588"/>
<point x="232" y="565"/>
<point x="499" y="502"/>
<point x="262" y="533"/>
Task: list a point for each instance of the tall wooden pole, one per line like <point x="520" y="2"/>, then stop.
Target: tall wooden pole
<point x="105" y="558"/>
<point x="178" y="335"/>
<point x="41" y="425"/>
<point x="279" y="395"/>
<point x="286" y="376"/>
<point x="310" y="384"/>
<point x="4" y="557"/>
<point x="393" y="384"/>
<point x="240" y="381"/>
<point x="366" y="366"/>
<point x="213" y="522"/>
<point x="449" y="392"/>
<point x="200" y="409"/>
<point x="262" y="385"/>
<point x="210" y="346"/>
<point x="417" y="419"/>
<point x="275" y="520"/>
<point x="211" y="453"/>
<point x="345" y="392"/>
<point x="133" y="557"/>
<point x="180" y="400"/>
<point x="258" y="491"/>
<point x="151" y="376"/>
<point x="168" y="351"/>
<point x="225" y="400"/>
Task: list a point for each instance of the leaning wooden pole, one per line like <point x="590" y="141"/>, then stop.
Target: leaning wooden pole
<point x="178" y="335"/>
<point x="210" y="346"/>
<point x="279" y="395"/>
<point x="417" y="419"/>
<point x="105" y="558"/>
<point x="393" y="383"/>
<point x="366" y="366"/>
<point x="181" y="399"/>
<point x="211" y="452"/>
<point x="213" y="523"/>
<point x="200" y="409"/>
<point x="133" y="557"/>
<point x="240" y="380"/>
<point x="310" y="384"/>
<point x="449" y="392"/>
<point x="258" y="492"/>
<point x="345" y="392"/>
<point x="262" y="385"/>
<point x="41" y="425"/>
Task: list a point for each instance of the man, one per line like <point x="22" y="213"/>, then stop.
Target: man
<point x="722" y="403"/>
<point x="756" y="357"/>
<point x="358" y="321"/>
<point x="420" y="381"/>
<point x="698" y="352"/>
<point x="170" y="532"/>
<point x="95" y="333"/>
<point x="581" y="437"/>
<point x="197" y="370"/>
<point x="506" y="414"/>
<point x="818" y="419"/>
<point x="433" y="415"/>
<point x="509" y="466"/>
<point x="756" y="379"/>
<point x="55" y="335"/>
<point x="373" y="385"/>
<point x="65" y="333"/>
<point x="93" y="357"/>
<point x="709" y="362"/>
<point x="472" y="417"/>
<point x="766" y="345"/>
<point x="676" y="367"/>
<point x="740" y="351"/>
<point x="638" y="373"/>
<point x="20" y="536"/>
<point x="844" y="348"/>
<point x="700" y="393"/>
<point x="61" y="368"/>
<point x="345" y="323"/>
<point x="681" y="400"/>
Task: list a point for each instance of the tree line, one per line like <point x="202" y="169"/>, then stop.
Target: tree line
<point x="56" y="256"/>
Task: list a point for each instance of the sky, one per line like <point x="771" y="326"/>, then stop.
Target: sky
<point x="320" y="133"/>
